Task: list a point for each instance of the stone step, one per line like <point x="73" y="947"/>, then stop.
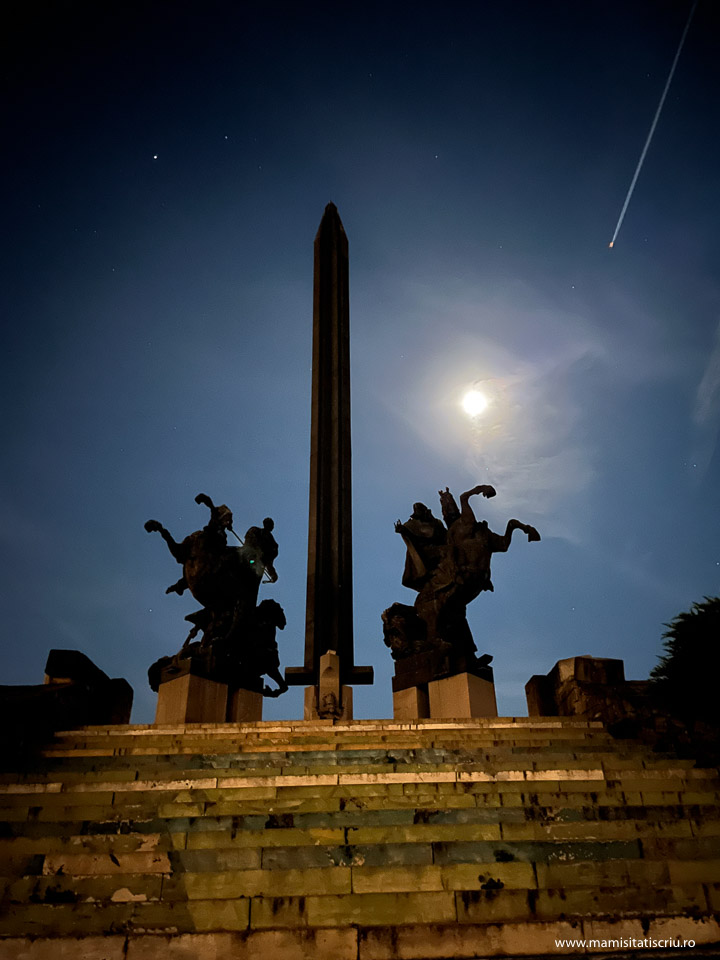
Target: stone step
<point x="459" y="788"/>
<point x="471" y="777"/>
<point x="188" y="914"/>
<point x="236" y="738"/>
<point x="301" y="829"/>
<point x="704" y="821"/>
<point x="174" y="767"/>
<point x="386" y="941"/>
<point x="243" y="876"/>
<point x="351" y="878"/>
<point x="565" y="751"/>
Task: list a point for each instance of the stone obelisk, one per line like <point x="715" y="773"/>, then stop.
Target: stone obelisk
<point x="329" y="668"/>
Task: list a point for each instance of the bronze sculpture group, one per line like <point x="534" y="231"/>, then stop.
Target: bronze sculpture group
<point x="238" y="645"/>
<point x="448" y="564"/>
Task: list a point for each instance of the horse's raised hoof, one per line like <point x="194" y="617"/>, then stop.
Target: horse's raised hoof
<point x="533" y="535"/>
<point x="152" y="526"/>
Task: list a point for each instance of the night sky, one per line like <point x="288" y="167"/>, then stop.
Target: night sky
<point x="167" y="166"/>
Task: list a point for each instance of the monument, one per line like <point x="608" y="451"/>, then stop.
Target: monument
<point x="450" y="836"/>
<point x="437" y="672"/>
<point x="219" y="677"/>
<point x="329" y="670"/>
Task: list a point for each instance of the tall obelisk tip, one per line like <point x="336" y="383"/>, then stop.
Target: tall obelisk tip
<point x="331" y="224"/>
<point x="331" y="212"/>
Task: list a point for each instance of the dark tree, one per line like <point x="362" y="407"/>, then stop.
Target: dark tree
<point x="685" y="681"/>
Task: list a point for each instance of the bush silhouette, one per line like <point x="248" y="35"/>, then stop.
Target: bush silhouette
<point x="685" y="681"/>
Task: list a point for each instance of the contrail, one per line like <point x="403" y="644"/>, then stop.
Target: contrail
<point x="652" y="127"/>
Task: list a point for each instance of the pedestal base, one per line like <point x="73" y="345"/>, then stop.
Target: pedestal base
<point x="244" y="706"/>
<point x="327" y="713"/>
<point x="193" y="699"/>
<point x="413" y="703"/>
<point x="329" y="700"/>
<point x="459" y="697"/>
<point x="462" y="696"/>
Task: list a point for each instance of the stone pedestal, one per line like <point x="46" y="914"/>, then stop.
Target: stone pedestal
<point x="244" y="706"/>
<point x="439" y="683"/>
<point x="462" y="696"/>
<point x="191" y="699"/>
<point x="186" y="694"/>
<point x="458" y="697"/>
<point x="328" y="700"/>
<point x="413" y="703"/>
<point x="311" y="711"/>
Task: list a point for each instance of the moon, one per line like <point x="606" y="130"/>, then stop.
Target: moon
<point x="474" y="403"/>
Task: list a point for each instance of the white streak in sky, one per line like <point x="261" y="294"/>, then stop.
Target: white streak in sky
<point x="652" y="127"/>
<point x="708" y="393"/>
<point x="707" y="410"/>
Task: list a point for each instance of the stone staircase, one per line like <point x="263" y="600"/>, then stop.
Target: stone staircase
<point x="357" y="840"/>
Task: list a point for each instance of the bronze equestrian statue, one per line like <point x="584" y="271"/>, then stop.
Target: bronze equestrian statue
<point x="448" y="564"/>
<point x="238" y="644"/>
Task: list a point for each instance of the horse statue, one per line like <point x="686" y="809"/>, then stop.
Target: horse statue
<point x="219" y="577"/>
<point x="238" y="635"/>
<point x="448" y="567"/>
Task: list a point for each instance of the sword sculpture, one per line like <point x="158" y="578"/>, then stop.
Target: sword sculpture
<point x="329" y="620"/>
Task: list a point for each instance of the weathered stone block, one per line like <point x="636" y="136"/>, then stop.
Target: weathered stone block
<point x="64" y="920"/>
<point x="99" y="889"/>
<point x="411" y="703"/>
<point x="200" y="861"/>
<point x="305" y="857"/>
<point x="259" y="883"/>
<point x="374" y="909"/>
<point x="584" y="873"/>
<point x="278" y="912"/>
<point x="493" y="905"/>
<point x="464" y="941"/>
<point x="191" y="699"/>
<point x="244" y="706"/>
<point x="424" y="833"/>
<point x="322" y="944"/>
<point x="189" y="917"/>
<point x="392" y="854"/>
<point x="220" y="915"/>
<point x="89" y="948"/>
<point x="187" y="946"/>
<point x="396" y="879"/>
<point x="265" y="838"/>
<point x="462" y="695"/>
<point x="87" y="864"/>
<point x="702" y="871"/>
<point x="488" y="876"/>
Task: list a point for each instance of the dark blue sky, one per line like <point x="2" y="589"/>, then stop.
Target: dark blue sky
<point x="157" y="312"/>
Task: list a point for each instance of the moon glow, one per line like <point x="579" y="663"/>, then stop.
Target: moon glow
<point x="474" y="403"/>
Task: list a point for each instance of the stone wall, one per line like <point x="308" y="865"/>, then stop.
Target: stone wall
<point x="75" y="692"/>
<point x="592" y="687"/>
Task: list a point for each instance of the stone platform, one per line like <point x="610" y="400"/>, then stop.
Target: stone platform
<point x="355" y="840"/>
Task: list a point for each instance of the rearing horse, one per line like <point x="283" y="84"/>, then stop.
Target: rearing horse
<point x="464" y="570"/>
<point x="211" y="570"/>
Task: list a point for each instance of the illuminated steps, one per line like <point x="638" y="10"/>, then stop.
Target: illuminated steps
<point x="352" y="840"/>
